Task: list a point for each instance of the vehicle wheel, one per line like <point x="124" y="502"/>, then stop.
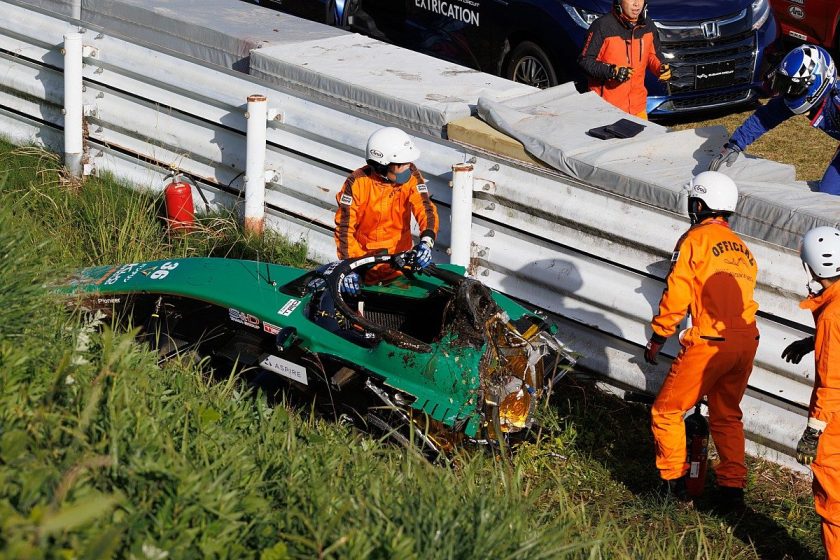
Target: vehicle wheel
<point x="529" y="64"/>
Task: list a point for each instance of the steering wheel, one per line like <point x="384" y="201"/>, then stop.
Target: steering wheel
<point x="404" y="262"/>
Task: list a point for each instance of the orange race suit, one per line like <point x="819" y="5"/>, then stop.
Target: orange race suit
<point x="613" y="40"/>
<point x="374" y="216"/>
<point x="712" y="276"/>
<point x="825" y="405"/>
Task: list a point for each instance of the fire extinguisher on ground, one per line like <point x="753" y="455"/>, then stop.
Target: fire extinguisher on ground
<point x="697" y="446"/>
<point x="180" y="210"/>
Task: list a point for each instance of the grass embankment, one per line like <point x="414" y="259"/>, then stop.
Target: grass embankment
<point x="105" y="455"/>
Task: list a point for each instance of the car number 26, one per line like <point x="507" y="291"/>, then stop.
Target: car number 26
<point x="163" y="271"/>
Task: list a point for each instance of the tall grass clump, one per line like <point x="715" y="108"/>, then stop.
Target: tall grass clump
<point x="20" y="279"/>
<point x="107" y="223"/>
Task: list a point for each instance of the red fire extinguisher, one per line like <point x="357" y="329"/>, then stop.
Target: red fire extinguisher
<point x="180" y="211"/>
<point x="697" y="446"/>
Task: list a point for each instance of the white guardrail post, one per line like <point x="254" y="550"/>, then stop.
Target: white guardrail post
<point x="461" y="232"/>
<point x="76" y="9"/>
<point x="255" y="164"/>
<point x="73" y="135"/>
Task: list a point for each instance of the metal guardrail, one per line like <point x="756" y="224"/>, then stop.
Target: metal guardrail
<point x="592" y="258"/>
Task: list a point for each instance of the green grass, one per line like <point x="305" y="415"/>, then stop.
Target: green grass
<point x="105" y="455"/>
<point x="103" y="224"/>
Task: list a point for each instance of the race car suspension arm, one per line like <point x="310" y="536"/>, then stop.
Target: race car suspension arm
<point x="383" y="396"/>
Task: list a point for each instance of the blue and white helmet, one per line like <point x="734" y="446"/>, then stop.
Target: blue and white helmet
<point x="804" y="77"/>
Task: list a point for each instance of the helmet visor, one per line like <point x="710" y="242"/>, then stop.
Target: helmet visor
<point x="789" y="86"/>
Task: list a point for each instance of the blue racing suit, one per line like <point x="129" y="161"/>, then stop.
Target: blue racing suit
<point x="825" y="116"/>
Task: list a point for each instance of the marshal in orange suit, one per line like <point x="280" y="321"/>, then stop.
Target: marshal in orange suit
<point x="820" y="442"/>
<point x="712" y="277"/>
<point x="377" y="202"/>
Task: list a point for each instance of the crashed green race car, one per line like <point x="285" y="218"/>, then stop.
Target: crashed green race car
<point x="432" y="357"/>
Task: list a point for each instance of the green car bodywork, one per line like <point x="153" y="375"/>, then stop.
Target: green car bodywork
<point x="444" y="382"/>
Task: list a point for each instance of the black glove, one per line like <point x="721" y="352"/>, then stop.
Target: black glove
<point x="652" y="349"/>
<point x="806" y="449"/>
<point x="621" y="73"/>
<point x="727" y="155"/>
<point x="797" y="349"/>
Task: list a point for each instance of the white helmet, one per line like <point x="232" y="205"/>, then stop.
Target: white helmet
<point x="391" y="145"/>
<point x="717" y="191"/>
<point x="820" y="250"/>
